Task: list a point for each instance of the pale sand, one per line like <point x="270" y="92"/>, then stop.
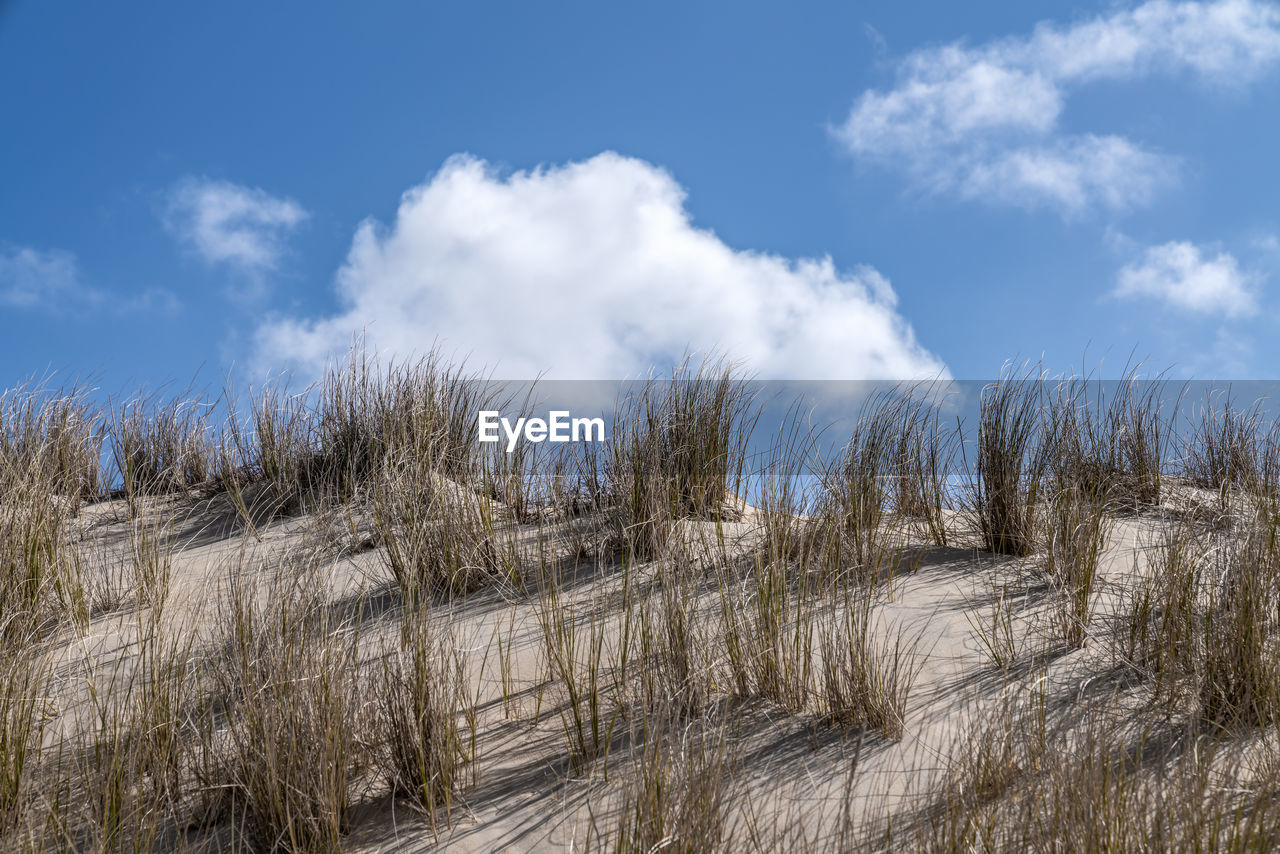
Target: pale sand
<point x="793" y="768"/>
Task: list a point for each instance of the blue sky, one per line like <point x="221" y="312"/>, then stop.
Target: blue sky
<point x="824" y="190"/>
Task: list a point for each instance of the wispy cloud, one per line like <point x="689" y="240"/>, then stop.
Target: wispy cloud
<point x="984" y="121"/>
<point x="1070" y="174"/>
<point x="593" y="270"/>
<point x="150" y="301"/>
<point x="34" y="278"/>
<point x="50" y="281"/>
<point x="242" y="228"/>
<point x="1185" y="277"/>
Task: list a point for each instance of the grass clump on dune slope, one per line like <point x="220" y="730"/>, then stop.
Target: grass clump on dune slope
<point x="678" y="450"/>
<point x="1009" y="468"/>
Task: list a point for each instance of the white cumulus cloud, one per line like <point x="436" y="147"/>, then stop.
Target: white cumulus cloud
<point x="592" y="270"/>
<point x="1184" y="276"/>
<point x="241" y="227"/>
<point x="984" y="121"/>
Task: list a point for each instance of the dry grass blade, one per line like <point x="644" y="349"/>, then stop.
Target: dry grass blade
<point x="1010" y="462"/>
<point x="23" y="692"/>
<point x="53" y="437"/>
<point x="294" y="689"/>
<point x="676" y="799"/>
<point x="1078" y="527"/>
<point x="678" y="450"/>
<point x="420" y="697"/>
<point x="1223" y="449"/>
<point x="441" y="538"/>
<point x="867" y="676"/>
<point x="574" y="649"/>
<point x="162" y="446"/>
